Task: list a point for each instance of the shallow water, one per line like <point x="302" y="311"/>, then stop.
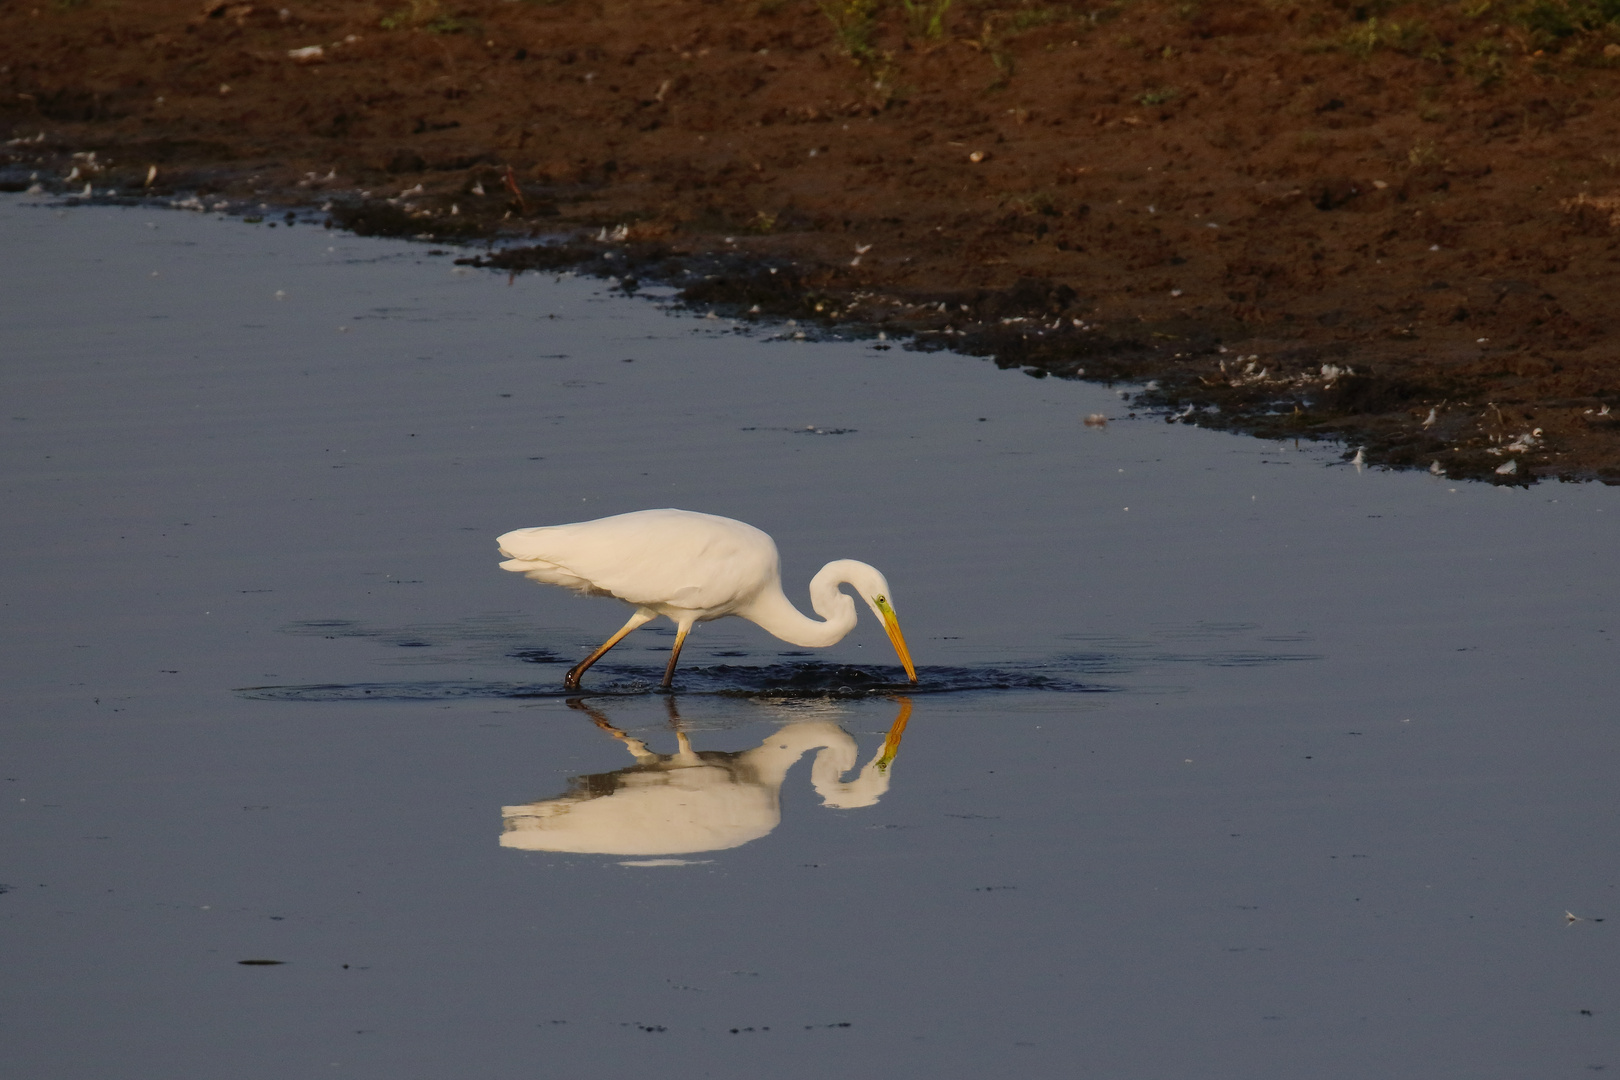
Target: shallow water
<point x="1226" y="760"/>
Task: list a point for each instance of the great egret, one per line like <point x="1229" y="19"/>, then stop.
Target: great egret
<point x="697" y="800"/>
<point x="694" y="568"/>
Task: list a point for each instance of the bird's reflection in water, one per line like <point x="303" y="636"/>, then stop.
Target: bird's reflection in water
<point x="697" y="800"/>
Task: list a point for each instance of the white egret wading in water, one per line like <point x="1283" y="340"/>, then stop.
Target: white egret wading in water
<point x="694" y="568"/>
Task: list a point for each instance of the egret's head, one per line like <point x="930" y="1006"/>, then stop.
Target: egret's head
<point x="884" y="610"/>
<point x="833" y="603"/>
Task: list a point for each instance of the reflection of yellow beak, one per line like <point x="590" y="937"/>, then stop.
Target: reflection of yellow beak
<point x="892" y="625"/>
<point x="891" y="745"/>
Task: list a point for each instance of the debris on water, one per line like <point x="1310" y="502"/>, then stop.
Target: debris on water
<point x="1096" y="419"/>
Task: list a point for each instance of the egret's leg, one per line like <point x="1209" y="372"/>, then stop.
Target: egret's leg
<point x="637" y="748"/>
<point x="640" y="618"/>
<point x="675" y="653"/>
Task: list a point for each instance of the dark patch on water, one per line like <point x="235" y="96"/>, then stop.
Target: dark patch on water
<point x="721" y="680"/>
<point x="542" y="656"/>
<point x="1119" y="655"/>
<point x="477" y="638"/>
<point x="1105" y="657"/>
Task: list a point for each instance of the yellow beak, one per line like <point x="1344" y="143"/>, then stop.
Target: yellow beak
<point x="892" y="625"/>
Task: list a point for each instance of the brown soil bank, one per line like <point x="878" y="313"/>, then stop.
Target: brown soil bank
<point x="1398" y="223"/>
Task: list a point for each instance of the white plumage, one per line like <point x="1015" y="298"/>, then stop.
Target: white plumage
<point x="693" y="568"/>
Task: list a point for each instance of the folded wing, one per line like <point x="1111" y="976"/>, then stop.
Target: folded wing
<point x="652" y="558"/>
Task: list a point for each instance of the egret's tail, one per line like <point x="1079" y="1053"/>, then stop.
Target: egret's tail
<point x="521" y="558"/>
<point x="547" y="574"/>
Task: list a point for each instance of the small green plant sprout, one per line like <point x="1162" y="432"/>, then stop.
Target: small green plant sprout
<point x="992" y="41"/>
<point x="1551" y="22"/>
<point x="1425" y="152"/>
<point x="855" y="24"/>
<point x="1412" y="38"/>
<point x="1159" y="96"/>
<point x="1486" y="62"/>
<point x="926" y="18"/>
<point x="423" y="15"/>
<point x="1030" y="18"/>
<point x="1364" y="40"/>
<point x="1005" y="66"/>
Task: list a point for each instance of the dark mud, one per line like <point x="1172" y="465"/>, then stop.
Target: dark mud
<point x="1396" y="225"/>
<point x="1190" y="376"/>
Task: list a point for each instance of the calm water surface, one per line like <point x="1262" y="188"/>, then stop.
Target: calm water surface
<point x="1227" y="760"/>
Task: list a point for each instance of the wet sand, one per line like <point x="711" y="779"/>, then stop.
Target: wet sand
<point x="1394" y="228"/>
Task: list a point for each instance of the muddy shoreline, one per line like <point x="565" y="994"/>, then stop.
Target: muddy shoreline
<point x="1279" y="220"/>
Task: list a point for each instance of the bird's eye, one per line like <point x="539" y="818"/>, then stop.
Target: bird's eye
<point x="880" y="598"/>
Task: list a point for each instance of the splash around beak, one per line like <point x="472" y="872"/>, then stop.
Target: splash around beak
<point x="892" y="625"/>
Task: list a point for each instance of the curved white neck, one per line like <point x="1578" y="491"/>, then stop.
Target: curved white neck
<point x="777" y="754"/>
<point x="772" y="758"/>
<point x="775" y="613"/>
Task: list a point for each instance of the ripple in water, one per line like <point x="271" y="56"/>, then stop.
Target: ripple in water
<point x="798" y="680"/>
